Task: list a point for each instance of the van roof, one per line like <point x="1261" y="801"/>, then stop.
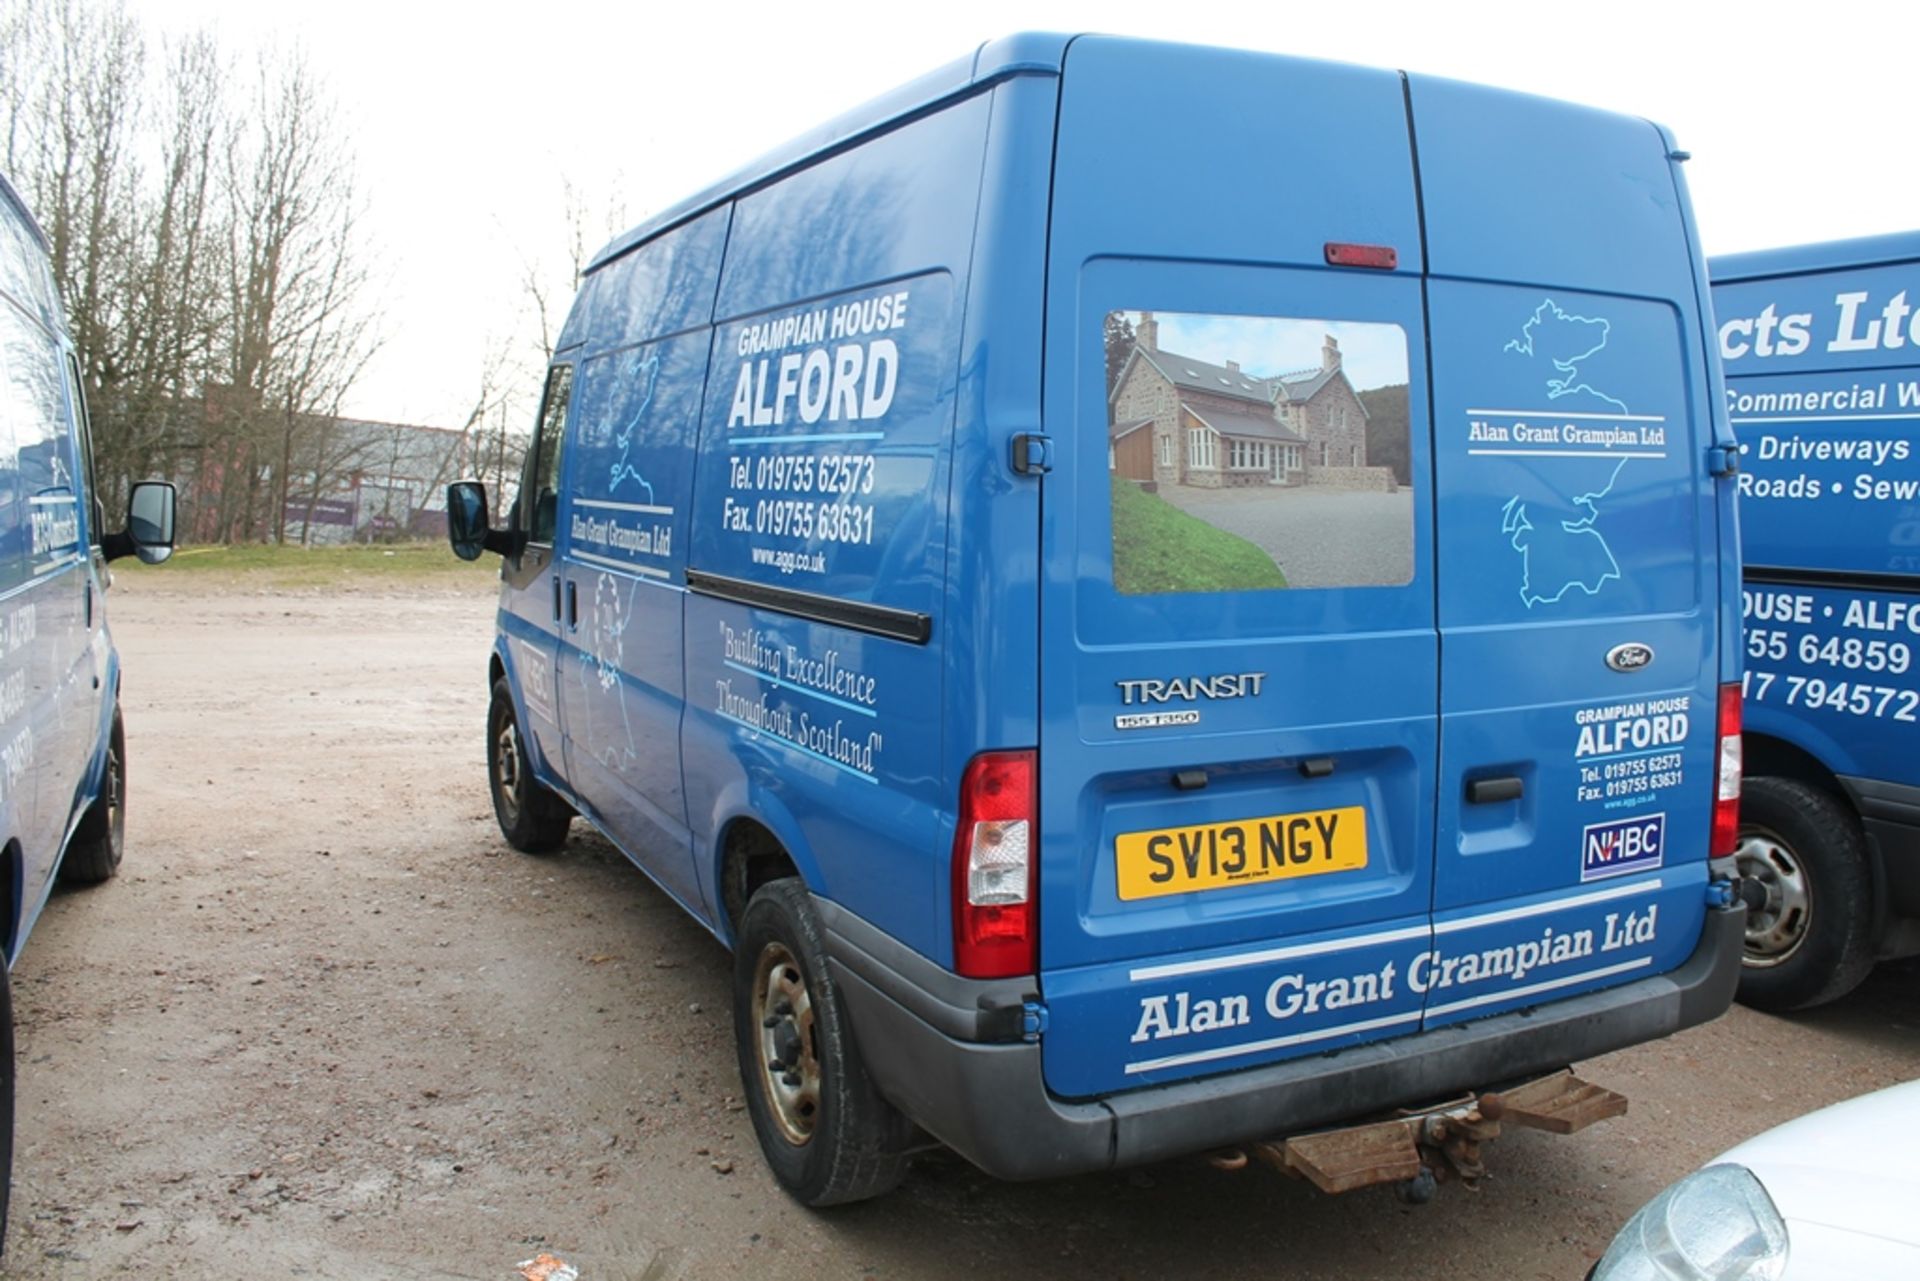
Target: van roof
<point x="1031" y="53"/>
<point x="12" y="197"/>
<point x="1867" y="251"/>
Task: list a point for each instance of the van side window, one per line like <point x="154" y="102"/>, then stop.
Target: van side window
<point x="89" y="478"/>
<point x="543" y="462"/>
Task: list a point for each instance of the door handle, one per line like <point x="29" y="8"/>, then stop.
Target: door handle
<point x="556" y="600"/>
<point x="1489" y="791"/>
<point x="573" y="606"/>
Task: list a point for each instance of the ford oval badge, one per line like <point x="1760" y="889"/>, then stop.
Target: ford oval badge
<point x="1630" y="657"/>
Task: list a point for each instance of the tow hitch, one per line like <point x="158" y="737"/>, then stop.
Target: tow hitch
<point x="1419" y="1149"/>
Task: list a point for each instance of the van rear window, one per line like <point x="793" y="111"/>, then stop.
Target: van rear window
<point x="1252" y="453"/>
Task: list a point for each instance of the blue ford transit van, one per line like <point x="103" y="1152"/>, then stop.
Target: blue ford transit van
<point x="1822" y="356"/>
<point x="62" y="747"/>
<point x="1156" y="597"/>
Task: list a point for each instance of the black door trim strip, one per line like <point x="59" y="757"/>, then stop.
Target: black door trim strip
<point x="1768" y="574"/>
<point x="859" y="616"/>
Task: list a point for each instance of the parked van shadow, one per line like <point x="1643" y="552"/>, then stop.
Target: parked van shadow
<point x="1883" y="1012"/>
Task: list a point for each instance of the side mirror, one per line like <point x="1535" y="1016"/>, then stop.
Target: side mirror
<point x="467" y="518"/>
<point x="150" y="517"/>
<point x="467" y="528"/>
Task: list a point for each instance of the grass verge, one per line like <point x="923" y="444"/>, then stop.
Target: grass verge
<point x="257" y="567"/>
<point x="1159" y="548"/>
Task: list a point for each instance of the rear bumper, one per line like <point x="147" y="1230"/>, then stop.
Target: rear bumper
<point x="988" y="1101"/>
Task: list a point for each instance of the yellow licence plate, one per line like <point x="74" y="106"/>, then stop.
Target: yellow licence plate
<point x="1247" y="851"/>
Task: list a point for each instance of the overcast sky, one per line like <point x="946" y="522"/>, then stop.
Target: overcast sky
<point x="470" y="119"/>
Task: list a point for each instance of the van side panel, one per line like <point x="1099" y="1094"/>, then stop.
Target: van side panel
<point x="27" y="395"/>
<point x="1571" y="423"/>
<point x="992" y="592"/>
<point x="814" y="634"/>
<point x="624" y="522"/>
<point x="48" y="721"/>
<point x="1823" y="383"/>
<point x="1825" y="389"/>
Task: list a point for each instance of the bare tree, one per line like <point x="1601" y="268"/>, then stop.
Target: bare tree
<point x="489" y="439"/>
<point x="499" y="449"/>
<point x="23" y="58"/>
<point x="217" y="300"/>
<point x="168" y="342"/>
<point x="331" y="450"/>
<point x="87" y="167"/>
<point x="207" y="238"/>
<point x="300" y="333"/>
<point x="500" y="423"/>
<point x="550" y="283"/>
<point x="73" y="76"/>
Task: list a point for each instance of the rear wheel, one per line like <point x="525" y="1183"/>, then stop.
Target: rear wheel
<point x="532" y="817"/>
<point x="1808" y="943"/>
<point x="826" y="1132"/>
<point x="93" y="855"/>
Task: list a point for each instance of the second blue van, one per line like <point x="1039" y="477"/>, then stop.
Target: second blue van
<point x="1155" y="597"/>
<point x="1822" y="355"/>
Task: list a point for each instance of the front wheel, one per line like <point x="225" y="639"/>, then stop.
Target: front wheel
<point x="1808" y="943"/>
<point x="826" y="1132"/>
<point x="93" y="855"/>
<point x="532" y="817"/>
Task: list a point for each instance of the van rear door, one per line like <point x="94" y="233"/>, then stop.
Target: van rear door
<point x="1239" y="678"/>
<point x="1576" y="566"/>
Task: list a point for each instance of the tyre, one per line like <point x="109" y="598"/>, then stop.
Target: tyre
<point x="826" y="1132"/>
<point x="7" y="1075"/>
<point x="93" y="855"/>
<point x="532" y="818"/>
<point x="1810" y="942"/>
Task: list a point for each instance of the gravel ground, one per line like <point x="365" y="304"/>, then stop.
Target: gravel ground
<point x="326" y="1025"/>
<point x="1318" y="537"/>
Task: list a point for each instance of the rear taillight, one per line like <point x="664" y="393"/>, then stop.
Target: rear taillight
<point x="1726" y="797"/>
<point x="994" y="921"/>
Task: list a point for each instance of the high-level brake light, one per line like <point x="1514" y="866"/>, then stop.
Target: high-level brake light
<point x="1342" y="254"/>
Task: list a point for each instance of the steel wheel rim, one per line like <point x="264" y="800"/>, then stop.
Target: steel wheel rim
<point x="506" y="767"/>
<point x="1776" y="931"/>
<point x="789" y="1066"/>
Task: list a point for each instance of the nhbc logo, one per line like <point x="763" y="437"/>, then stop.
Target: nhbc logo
<point x="1622" y="846"/>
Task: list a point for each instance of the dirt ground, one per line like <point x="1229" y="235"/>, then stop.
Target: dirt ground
<point x="325" y="1024"/>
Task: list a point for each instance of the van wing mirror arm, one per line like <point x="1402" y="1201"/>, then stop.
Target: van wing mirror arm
<point x="114" y="546"/>
<point x="507" y="542"/>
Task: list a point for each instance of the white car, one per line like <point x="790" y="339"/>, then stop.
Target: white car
<point x="1831" y="1194"/>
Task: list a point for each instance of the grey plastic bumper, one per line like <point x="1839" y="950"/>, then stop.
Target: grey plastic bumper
<point x="989" y="1102"/>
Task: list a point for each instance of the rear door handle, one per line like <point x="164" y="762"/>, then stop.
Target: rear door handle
<point x="573" y="606"/>
<point x="1489" y="791"/>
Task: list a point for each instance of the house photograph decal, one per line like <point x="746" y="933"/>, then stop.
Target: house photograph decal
<point x="1252" y="452"/>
